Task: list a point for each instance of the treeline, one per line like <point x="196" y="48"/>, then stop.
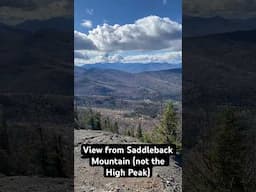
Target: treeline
<point x="224" y="157"/>
<point x="34" y="148"/>
<point x="89" y="119"/>
<point x="168" y="131"/>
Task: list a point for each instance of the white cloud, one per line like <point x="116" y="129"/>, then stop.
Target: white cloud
<point x="92" y="57"/>
<point x="148" y="33"/>
<point x="80" y="55"/>
<point x="168" y="57"/>
<point x="81" y="41"/>
<point x="86" y="23"/>
<point x="164" y="2"/>
<point x="89" y="11"/>
<point x="149" y="39"/>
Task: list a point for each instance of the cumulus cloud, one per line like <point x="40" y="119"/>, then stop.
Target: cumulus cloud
<point x="91" y="57"/>
<point x="164" y="2"/>
<point x="86" y="23"/>
<point x="148" y="33"/>
<point x="81" y="41"/>
<point x="224" y="8"/>
<point x="80" y="55"/>
<point x="150" y="39"/>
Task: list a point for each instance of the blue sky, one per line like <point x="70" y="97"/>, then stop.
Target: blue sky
<point x="127" y="31"/>
<point x="124" y="11"/>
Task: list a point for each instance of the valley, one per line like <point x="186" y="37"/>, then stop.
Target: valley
<point x="123" y="102"/>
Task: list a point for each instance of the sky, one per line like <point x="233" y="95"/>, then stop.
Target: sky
<point x="127" y="31"/>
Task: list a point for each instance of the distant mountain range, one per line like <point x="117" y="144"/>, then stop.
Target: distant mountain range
<point x="200" y="26"/>
<point x="120" y="84"/>
<point x="133" y="67"/>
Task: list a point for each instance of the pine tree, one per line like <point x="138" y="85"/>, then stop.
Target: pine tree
<point x="92" y="123"/>
<point x="217" y="162"/>
<point x="116" y="128"/>
<point x="169" y="124"/>
<point x="108" y="124"/>
<point x="105" y="124"/>
<point x="139" y="132"/>
<point x="98" y="121"/>
<point x="226" y="154"/>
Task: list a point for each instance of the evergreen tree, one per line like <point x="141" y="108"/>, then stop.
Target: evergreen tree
<point x="105" y="124"/>
<point x="129" y="133"/>
<point x="98" y="121"/>
<point x="139" y="132"/>
<point x="226" y="154"/>
<point x="116" y="128"/>
<point x="92" y="123"/>
<point x="168" y="125"/>
<point x="217" y="162"/>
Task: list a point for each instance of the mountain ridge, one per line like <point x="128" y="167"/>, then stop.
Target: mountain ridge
<point x="120" y="84"/>
<point x="132" y="67"/>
